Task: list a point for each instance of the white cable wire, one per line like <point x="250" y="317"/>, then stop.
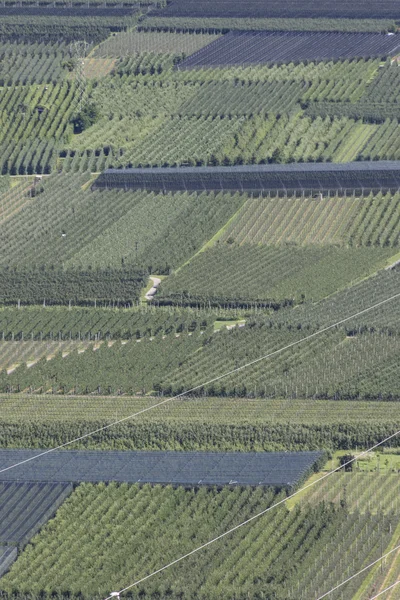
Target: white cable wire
<point x="254" y="517"/>
<point x="386" y="590"/>
<point x="359" y="572"/>
<point x="197" y="387"/>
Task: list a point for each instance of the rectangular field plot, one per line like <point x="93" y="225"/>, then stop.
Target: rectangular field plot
<point x="284" y="179"/>
<point x="180" y="468"/>
<point x="251" y="47"/>
<point x="360" y="9"/>
<point x="25" y="507"/>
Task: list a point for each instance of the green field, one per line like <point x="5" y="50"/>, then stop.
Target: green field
<point x="196" y="423"/>
<point x="171" y="522"/>
<point x="243" y="275"/>
<point x="228" y="274"/>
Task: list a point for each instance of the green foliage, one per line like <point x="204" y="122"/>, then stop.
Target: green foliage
<point x="86" y="117"/>
<point x="331" y="365"/>
<point x="73" y="286"/>
<point x="62" y="324"/>
<point x="35" y="118"/>
<point x="365" y="221"/>
<point x="168" y="522"/>
<point x="118" y="228"/>
<point x="132" y="42"/>
<point x="32" y="63"/>
<point x="229" y="116"/>
<point x="228" y="274"/>
<point x="131" y="367"/>
<point x="196" y="424"/>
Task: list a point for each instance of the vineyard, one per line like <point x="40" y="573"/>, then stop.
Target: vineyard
<point x="27" y="64"/>
<point x="85" y="287"/>
<point x="333" y="365"/>
<point x="165" y="116"/>
<point x="83" y="324"/>
<point x="129" y="367"/>
<point x="337" y="365"/>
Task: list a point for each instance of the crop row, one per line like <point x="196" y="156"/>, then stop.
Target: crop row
<point x="119" y="287"/>
<point x="31" y="63"/>
<point x="330" y="366"/>
<point x="130" y="367"/>
<point x="353" y="300"/>
<point x="35" y="118"/>
<point x="13" y="354"/>
<point x="220" y="423"/>
<point x="268" y="275"/>
<point x="132" y="42"/>
<point x="374" y="493"/>
<point x="109" y="228"/>
<point x="143" y="123"/>
<point x="62" y="324"/>
<point x="368" y="221"/>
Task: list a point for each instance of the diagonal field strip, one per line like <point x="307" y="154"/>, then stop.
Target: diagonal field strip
<point x="189" y="391"/>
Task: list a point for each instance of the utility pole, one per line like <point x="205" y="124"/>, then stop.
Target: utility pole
<point x="78" y="51"/>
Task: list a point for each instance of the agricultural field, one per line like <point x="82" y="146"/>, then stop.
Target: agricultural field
<point x="269" y="275"/>
<point x="296" y="179"/>
<point x="369" y="9"/>
<point x="156" y="508"/>
<point x="156" y="231"/>
<point x="247" y="48"/>
<point x="224" y="25"/>
<point x="138" y="42"/>
<point x="95" y="324"/>
<point x="343" y="221"/>
<point x="196" y="424"/>
<point x="199" y="205"/>
<point x="272" y="114"/>
<point x="281" y="470"/>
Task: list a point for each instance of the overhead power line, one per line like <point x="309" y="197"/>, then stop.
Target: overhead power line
<point x="202" y="385"/>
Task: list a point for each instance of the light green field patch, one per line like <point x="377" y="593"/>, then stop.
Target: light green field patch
<point x="351" y="147"/>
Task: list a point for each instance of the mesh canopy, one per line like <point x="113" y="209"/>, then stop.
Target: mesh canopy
<point x="186" y="468"/>
<point x="292" y="178"/>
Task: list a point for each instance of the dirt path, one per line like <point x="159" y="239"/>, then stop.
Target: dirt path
<point x="152" y="291"/>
